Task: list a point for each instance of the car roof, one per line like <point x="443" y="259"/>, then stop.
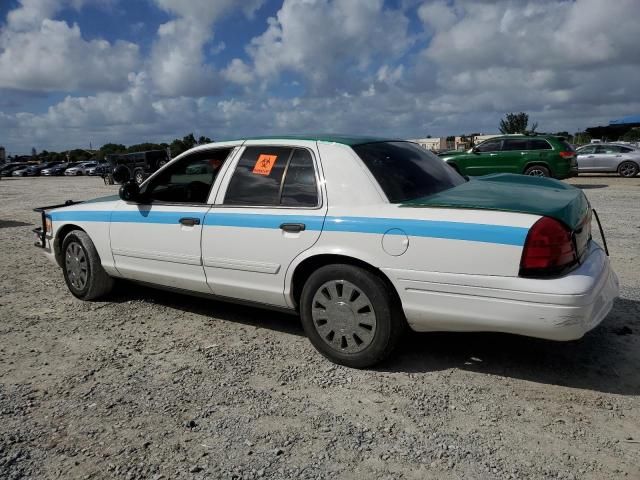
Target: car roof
<point x="350" y="140"/>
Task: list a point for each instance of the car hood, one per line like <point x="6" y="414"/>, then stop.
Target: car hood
<point x="514" y="193"/>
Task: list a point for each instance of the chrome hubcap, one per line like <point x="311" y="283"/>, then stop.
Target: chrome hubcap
<point x="76" y="265"/>
<point x="343" y="316"/>
<point x="536" y="173"/>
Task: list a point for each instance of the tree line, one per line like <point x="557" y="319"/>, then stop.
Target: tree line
<point x="176" y="147"/>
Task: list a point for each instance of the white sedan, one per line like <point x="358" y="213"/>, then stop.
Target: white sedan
<point x="361" y="237"/>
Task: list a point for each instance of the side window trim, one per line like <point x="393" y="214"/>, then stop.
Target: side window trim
<point x="233" y="164"/>
<point x="284" y="176"/>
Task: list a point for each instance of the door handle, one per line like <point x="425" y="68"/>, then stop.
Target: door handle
<point x="189" y="221"/>
<point x="293" y="227"/>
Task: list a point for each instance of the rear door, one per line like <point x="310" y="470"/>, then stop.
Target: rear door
<point x="269" y="209"/>
<point x="514" y="155"/>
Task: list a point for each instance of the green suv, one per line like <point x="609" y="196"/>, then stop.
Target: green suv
<point x="537" y="155"/>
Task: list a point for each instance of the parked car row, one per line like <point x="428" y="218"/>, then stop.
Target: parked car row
<point x="543" y="156"/>
<point x="55" y="169"/>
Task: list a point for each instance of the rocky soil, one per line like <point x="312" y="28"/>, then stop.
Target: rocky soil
<point x="155" y="385"/>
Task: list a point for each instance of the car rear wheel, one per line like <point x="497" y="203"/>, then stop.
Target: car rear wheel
<point x="138" y="176"/>
<point x="537" y="171"/>
<point x="628" y="169"/>
<point x="351" y="315"/>
<point x="82" y="269"/>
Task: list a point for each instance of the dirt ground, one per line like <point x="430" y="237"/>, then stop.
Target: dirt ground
<point x="157" y="385"/>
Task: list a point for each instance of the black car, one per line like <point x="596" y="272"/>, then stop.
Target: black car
<point x="7" y="170"/>
<point x="139" y="164"/>
<point x="36" y="170"/>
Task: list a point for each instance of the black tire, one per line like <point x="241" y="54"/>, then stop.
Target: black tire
<point x="138" y="176"/>
<point x="389" y="322"/>
<point x="537" y="171"/>
<point x="628" y="169"/>
<point x="78" y="251"/>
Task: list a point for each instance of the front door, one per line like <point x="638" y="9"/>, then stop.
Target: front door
<point x="484" y="159"/>
<point x="269" y="209"/>
<point x="586" y="158"/>
<point x="158" y="239"/>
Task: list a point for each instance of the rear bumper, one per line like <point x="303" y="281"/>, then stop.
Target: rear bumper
<point x="556" y="309"/>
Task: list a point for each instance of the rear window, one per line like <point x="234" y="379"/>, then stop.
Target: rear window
<point x="566" y="146"/>
<point x="539" y="144"/>
<point x="405" y="171"/>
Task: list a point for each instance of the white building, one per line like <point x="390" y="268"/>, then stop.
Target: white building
<point x="436" y="144"/>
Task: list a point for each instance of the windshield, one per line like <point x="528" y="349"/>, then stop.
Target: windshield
<point x="406" y="171"/>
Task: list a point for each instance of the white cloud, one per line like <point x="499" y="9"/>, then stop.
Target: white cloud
<point x="41" y="54"/>
<point x="355" y="67"/>
<point x="327" y="41"/>
<point x="177" y="63"/>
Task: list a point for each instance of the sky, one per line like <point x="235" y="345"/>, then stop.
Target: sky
<point x="80" y="72"/>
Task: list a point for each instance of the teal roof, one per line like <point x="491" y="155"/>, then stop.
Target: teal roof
<point x="350" y="140"/>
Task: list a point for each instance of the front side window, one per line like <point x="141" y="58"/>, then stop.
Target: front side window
<point x="514" y="144"/>
<point x="489" y="146"/>
<point x="273" y="177"/>
<point x="586" y="150"/>
<point x="405" y="171"/>
<point x="189" y="180"/>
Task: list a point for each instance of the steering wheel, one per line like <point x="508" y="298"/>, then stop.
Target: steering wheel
<point x="196" y="192"/>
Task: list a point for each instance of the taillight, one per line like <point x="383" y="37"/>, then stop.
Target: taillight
<point x="548" y="249"/>
<point x="567" y="154"/>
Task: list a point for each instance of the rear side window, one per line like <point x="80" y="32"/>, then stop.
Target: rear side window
<point x="626" y="149"/>
<point x="539" y="144"/>
<point x="405" y="171"/>
<point x="514" y="144"/>
<point x="273" y="176"/>
<point x="299" y="187"/>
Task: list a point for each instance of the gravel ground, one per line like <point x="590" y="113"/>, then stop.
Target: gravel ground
<point x="157" y="385"/>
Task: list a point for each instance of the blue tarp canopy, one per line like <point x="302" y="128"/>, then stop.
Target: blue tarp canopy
<point x="626" y="120"/>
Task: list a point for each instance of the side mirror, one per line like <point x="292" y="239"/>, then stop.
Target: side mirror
<point x="121" y="174"/>
<point x="475" y="150"/>
<point x="130" y="191"/>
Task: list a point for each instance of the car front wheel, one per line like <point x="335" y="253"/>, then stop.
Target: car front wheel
<point x="351" y="315"/>
<point x="82" y="268"/>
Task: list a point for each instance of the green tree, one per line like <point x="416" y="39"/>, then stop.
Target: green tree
<point x="516" y="123"/>
<point x="632" y="135"/>
<point x="109" y="148"/>
<point x="204" y="140"/>
<point x="143" y="147"/>
<point x="580" y="138"/>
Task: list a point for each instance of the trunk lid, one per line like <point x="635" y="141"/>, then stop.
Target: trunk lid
<point x="515" y="193"/>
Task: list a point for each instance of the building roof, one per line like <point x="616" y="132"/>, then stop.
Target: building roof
<point x="350" y="140"/>
<point x="629" y="119"/>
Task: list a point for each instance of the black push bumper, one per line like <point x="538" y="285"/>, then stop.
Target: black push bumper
<point x="41" y="232"/>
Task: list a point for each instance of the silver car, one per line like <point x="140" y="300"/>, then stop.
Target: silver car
<point x="80" y="169"/>
<point x="609" y="158"/>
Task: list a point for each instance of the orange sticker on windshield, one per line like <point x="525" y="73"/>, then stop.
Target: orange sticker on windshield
<point x="264" y="164"/>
